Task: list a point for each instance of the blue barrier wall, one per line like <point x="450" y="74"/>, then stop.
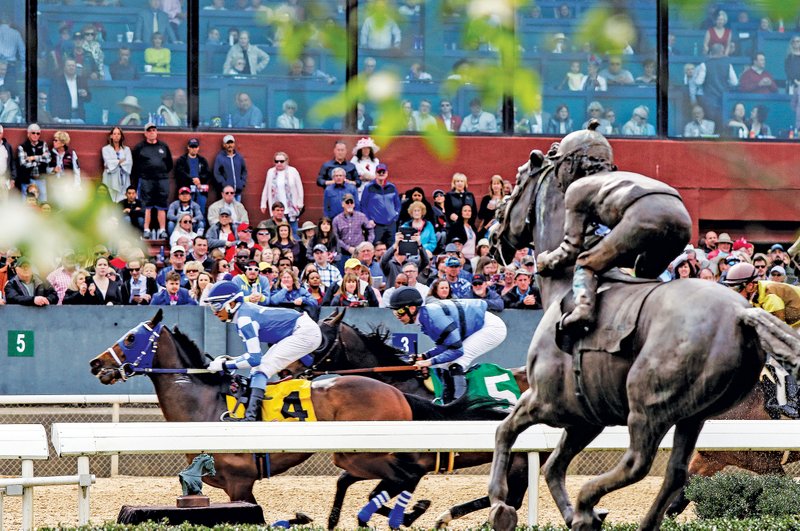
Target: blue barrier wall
<point x="47" y="350"/>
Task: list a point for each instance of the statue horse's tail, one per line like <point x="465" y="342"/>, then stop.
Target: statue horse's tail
<point x="774" y="337"/>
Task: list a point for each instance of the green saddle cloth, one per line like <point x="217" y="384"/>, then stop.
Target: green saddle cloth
<point x="486" y="380"/>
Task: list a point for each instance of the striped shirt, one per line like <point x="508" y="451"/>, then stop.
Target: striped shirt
<point x="328" y="275"/>
<point x="12" y="48"/>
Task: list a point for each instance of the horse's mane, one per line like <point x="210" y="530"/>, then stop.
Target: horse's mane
<point x="191" y="356"/>
<point x="375" y="342"/>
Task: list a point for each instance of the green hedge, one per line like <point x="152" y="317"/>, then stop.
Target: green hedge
<point x="741" y="495"/>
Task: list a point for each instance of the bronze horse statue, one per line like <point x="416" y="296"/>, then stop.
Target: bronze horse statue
<point x="189" y="393"/>
<point x="679" y="366"/>
<point x="351" y="349"/>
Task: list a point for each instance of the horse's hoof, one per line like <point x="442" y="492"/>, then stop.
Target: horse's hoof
<point x="416" y="511"/>
<point x="503" y="517"/>
<point x="588" y="522"/>
<point x="443" y="519"/>
<point x="302" y="519"/>
<point x="362" y="524"/>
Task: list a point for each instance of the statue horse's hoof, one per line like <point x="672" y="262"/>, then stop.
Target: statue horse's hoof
<point x="503" y="517"/>
<point x="416" y="511"/>
<point x="443" y="519"/>
<point x="592" y="522"/>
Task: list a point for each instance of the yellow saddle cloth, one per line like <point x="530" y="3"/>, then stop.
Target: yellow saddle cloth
<point x="288" y="401"/>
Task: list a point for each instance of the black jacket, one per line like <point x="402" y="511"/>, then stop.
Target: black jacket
<point x="12" y="161"/>
<point x="17" y="294"/>
<point x="151" y="288"/>
<point x="182" y="177"/>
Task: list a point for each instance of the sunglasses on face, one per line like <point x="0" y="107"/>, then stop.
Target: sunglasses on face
<point x="279" y="161"/>
<point x="192" y="271"/>
<point x="776" y="274"/>
<point x="186" y="221"/>
<point x="760" y="267"/>
<point x="132" y="269"/>
<point x="177" y="253"/>
<point x="35" y="133"/>
<point x="251" y="268"/>
<point x="381" y="172"/>
<point x="248" y="231"/>
<point x="227" y="193"/>
<point x="224" y="266"/>
<point x="263" y="233"/>
<point x="349" y="202"/>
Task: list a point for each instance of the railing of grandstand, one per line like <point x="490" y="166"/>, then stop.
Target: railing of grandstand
<point x="201" y="77"/>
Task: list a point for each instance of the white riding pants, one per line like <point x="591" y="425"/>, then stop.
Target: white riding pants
<point x="490" y="336"/>
<point x="305" y="338"/>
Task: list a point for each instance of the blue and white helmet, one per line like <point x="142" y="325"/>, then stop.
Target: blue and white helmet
<point x="225" y="296"/>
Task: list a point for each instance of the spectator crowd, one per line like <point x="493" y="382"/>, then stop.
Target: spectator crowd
<point x="371" y="240"/>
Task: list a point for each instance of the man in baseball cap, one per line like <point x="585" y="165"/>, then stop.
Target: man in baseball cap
<point x="230" y="168"/>
<point x="182" y="206"/>
<point x="152" y="165"/>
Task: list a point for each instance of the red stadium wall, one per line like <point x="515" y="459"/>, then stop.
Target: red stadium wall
<point x="747" y="188"/>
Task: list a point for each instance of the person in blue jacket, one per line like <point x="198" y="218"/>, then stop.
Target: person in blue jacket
<point x="292" y="335"/>
<point x="174" y="294"/>
<point x="380" y="201"/>
<point x="461" y="329"/>
<point x="253" y="285"/>
<point x="230" y="168"/>
<point x="290" y="294"/>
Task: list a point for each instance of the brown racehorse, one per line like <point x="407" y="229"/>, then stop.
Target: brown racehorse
<point x="188" y="393"/>
<point x="761" y="462"/>
<point x="348" y="349"/>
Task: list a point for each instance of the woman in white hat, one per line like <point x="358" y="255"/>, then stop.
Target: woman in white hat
<point x="365" y="161"/>
<point x="130" y="106"/>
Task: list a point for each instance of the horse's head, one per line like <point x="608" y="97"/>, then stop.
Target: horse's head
<point x="135" y="349"/>
<point x="330" y="328"/>
<point x="513" y="228"/>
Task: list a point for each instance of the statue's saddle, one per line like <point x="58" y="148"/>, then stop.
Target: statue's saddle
<point x="620" y="298"/>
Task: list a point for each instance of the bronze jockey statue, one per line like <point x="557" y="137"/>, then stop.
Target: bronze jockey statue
<point x="648" y="222"/>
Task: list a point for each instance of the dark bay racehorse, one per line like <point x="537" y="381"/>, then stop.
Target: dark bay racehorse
<point x="187" y="393"/>
<point x="349" y="349"/>
<point x="753" y="407"/>
<point x="680" y="366"/>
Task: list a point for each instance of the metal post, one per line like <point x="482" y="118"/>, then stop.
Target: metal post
<point x="27" y="497"/>
<point x="2" y="496"/>
<point x="83" y="492"/>
<point x="533" y="488"/>
<point x="115" y="458"/>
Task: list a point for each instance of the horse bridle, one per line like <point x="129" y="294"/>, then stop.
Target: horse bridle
<point x="326" y="353"/>
<point x="144" y="347"/>
<point x="542" y="172"/>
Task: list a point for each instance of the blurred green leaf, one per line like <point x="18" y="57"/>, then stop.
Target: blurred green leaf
<point x="440" y="142"/>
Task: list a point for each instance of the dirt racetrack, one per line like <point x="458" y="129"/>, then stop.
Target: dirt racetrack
<point x="281" y="496"/>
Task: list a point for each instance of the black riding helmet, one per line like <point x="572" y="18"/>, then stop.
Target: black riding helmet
<point x="405" y="297"/>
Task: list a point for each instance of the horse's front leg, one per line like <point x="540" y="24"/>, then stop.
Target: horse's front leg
<point x="343" y="483"/>
<point x="572" y="442"/>
<point x="502" y="516"/>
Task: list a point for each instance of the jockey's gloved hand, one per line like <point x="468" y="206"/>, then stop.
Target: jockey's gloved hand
<point x="218" y="364"/>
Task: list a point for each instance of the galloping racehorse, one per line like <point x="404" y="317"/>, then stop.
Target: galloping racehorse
<point x="188" y="393"/>
<point x="350" y="349"/>
<point x="680" y="365"/>
<point x="753" y="407"/>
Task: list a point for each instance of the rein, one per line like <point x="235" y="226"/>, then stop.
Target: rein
<point x="367" y="370"/>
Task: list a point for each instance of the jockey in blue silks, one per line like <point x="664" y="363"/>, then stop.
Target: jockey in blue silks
<point x="462" y="329"/>
<point x="292" y="335"/>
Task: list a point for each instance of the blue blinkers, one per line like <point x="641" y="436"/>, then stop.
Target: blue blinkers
<point x="141" y="350"/>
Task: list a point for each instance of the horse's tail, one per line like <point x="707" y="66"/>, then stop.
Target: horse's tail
<point x="774" y="337"/>
<point x="465" y="408"/>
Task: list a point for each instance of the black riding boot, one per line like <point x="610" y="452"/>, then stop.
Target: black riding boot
<point x="254" y="405"/>
<point x="459" y="381"/>
<point x="447" y="385"/>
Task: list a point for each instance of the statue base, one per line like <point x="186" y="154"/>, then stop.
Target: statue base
<point x="193" y="500"/>
<point x="215" y="514"/>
